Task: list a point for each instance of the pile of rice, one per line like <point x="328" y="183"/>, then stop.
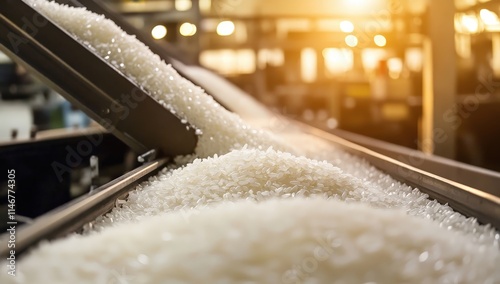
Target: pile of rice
<point x="279" y="241"/>
<point x="250" y="207"/>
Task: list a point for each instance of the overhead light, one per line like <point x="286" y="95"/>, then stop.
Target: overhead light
<point x="490" y="20"/>
<point x="351" y="40"/>
<point x="488" y="17"/>
<point x="159" y="32"/>
<point x="470" y="23"/>
<point x="308" y="65"/>
<point x="225" y="28"/>
<point x="395" y="66"/>
<point x="370" y="58"/>
<point x="413" y="59"/>
<point x="183" y="5"/>
<point x="187" y="29"/>
<point x="467" y="23"/>
<point x="380" y="40"/>
<point x="338" y="60"/>
<point x="229" y="61"/>
<point x="346" y="26"/>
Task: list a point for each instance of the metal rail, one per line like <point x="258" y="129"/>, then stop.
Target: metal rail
<point x="89" y="82"/>
<point x="486" y="180"/>
<point x="72" y="216"/>
<point x="469" y="201"/>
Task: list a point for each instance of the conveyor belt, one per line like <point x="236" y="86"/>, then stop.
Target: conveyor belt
<point x="165" y="50"/>
<point x="486" y="180"/>
<point x="469" y="201"/>
<point x="72" y="216"/>
<point x="71" y="68"/>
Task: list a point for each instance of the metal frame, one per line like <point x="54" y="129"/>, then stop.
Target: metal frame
<point x="74" y="215"/>
<point x="469" y="201"/>
<point x="486" y="180"/>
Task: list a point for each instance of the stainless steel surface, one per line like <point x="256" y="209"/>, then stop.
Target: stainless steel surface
<point x="464" y="199"/>
<point x="89" y="82"/>
<point x="75" y="214"/>
<point x="486" y="180"/>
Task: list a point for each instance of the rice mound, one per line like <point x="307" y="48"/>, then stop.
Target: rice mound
<point x="276" y="241"/>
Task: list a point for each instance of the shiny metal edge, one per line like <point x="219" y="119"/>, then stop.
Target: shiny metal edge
<point x="75" y="214"/>
<point x="471" y="202"/>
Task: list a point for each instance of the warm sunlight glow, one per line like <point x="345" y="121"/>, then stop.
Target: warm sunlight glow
<point x="346" y="26"/>
<point x="338" y="60"/>
<point x="371" y="57"/>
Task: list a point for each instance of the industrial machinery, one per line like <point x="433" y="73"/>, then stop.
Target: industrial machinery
<point x="75" y="71"/>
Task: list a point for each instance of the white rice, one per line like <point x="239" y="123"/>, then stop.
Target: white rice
<point x="287" y="241"/>
<point x="251" y="174"/>
<point x="196" y="224"/>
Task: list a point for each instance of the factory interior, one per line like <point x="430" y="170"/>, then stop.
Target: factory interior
<point x="357" y="66"/>
<point x="408" y="89"/>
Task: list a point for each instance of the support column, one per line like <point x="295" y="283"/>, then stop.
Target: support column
<point x="196" y="47"/>
<point x="439" y="90"/>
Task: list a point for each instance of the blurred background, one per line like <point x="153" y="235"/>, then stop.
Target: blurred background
<point x="417" y="73"/>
